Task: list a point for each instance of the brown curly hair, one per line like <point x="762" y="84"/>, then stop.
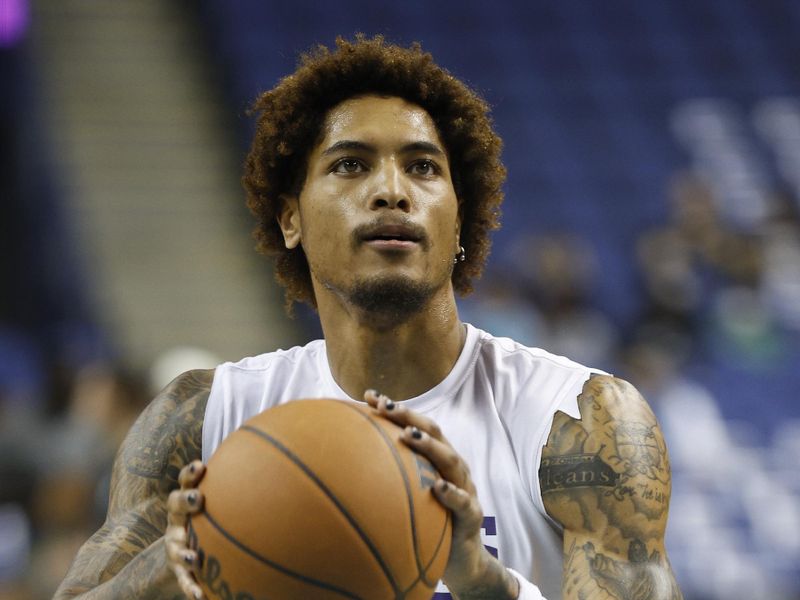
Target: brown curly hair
<point x="290" y="121"/>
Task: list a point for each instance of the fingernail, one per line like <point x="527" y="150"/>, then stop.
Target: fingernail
<point x="443" y="486"/>
<point x="192" y="468"/>
<point x="188" y="558"/>
<point x="389" y="404"/>
<point x="416" y="434"/>
<point x="198" y="595"/>
<point x="191" y="498"/>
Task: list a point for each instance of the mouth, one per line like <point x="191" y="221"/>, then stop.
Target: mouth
<point x="392" y="237"/>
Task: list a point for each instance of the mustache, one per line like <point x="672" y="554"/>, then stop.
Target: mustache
<point x="372" y="228"/>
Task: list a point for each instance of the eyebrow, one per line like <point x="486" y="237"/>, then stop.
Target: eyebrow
<point x="344" y="145"/>
<point x="428" y="147"/>
<point x="348" y="145"/>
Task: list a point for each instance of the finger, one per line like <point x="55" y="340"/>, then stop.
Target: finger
<point x="377" y="400"/>
<point x="441" y="454"/>
<point x="371" y="397"/>
<point x="187" y="582"/>
<point x="181" y="503"/>
<point x="179" y="555"/>
<point x="191" y="474"/>
<point x="380" y="402"/>
<point x="404" y="417"/>
<point x="454" y="498"/>
<point x="466" y="509"/>
<point x="182" y="560"/>
<point x="176" y="539"/>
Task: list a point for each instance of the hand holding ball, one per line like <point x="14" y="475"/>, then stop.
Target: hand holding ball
<point x="319" y="499"/>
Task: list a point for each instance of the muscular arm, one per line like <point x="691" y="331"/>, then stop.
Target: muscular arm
<point x="125" y="558"/>
<point x="606" y="478"/>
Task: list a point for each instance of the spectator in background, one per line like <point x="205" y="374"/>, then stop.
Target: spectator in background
<point x="780" y="236"/>
<point x="542" y="298"/>
<point x="705" y="304"/>
<point x="702" y="280"/>
<point x="672" y="286"/>
<point x="500" y="307"/>
<point x="557" y="273"/>
<point x="60" y="471"/>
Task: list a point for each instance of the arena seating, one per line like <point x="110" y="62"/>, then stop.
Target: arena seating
<point x="600" y="106"/>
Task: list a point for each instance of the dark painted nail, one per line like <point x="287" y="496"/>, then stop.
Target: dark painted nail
<point x="192" y="498"/>
<point x="192" y="468"/>
<point x="444" y="486"/>
<point x="389" y="405"/>
<point x="416" y="434"/>
<point x="188" y="558"/>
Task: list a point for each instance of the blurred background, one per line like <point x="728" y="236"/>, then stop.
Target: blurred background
<point x="650" y="229"/>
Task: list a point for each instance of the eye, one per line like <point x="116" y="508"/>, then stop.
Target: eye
<point x="424" y="167"/>
<point x="348" y="165"/>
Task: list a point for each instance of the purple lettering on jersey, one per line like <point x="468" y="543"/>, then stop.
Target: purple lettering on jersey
<point x="489" y="526"/>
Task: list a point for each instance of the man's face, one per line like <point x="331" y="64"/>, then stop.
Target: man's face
<point x="378" y="207"/>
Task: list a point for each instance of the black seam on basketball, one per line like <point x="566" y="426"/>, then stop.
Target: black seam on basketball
<point x="193" y="536"/>
<point x="404" y="474"/>
<point x="430" y="586"/>
<point x="274" y="565"/>
<point x="331" y="496"/>
<point x="441" y="539"/>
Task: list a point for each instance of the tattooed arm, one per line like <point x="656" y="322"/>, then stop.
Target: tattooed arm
<point x="126" y="558"/>
<point x="606" y="478"/>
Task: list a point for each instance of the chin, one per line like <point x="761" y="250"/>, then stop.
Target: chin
<point x="394" y="297"/>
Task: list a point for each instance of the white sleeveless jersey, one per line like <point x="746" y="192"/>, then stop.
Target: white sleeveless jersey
<point x="495" y="407"/>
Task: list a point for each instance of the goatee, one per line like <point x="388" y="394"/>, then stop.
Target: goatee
<point x="390" y="301"/>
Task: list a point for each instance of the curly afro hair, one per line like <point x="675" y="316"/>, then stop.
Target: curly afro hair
<point x="290" y="121"/>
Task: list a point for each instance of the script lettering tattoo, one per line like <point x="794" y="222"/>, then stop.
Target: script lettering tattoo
<point x="125" y="558"/>
<point x="578" y="470"/>
<point x="606" y="478"/>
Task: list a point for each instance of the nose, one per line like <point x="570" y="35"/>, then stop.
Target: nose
<point x="390" y="190"/>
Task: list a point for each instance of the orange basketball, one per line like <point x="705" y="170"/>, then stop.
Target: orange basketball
<point x="319" y="499"/>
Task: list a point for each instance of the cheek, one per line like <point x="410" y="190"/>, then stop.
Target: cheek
<point x="447" y="228"/>
<point x="326" y="227"/>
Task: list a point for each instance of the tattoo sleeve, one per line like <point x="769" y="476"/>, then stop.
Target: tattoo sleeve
<point x="606" y="478"/>
<point x="125" y="558"/>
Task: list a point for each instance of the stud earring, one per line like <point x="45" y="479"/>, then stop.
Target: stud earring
<point x="461" y="256"/>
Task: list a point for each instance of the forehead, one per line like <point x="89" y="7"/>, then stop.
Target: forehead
<point x="377" y="118"/>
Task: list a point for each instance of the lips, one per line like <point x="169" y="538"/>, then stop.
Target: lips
<point x="398" y="233"/>
<point x="391" y="236"/>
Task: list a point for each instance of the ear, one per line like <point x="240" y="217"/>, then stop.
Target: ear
<point x="289" y="220"/>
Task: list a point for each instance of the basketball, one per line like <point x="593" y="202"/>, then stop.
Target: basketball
<point x="319" y="499"/>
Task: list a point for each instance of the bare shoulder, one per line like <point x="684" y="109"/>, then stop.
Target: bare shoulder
<point x="165" y="437"/>
<point x="168" y="433"/>
<point x="606" y="478"/>
<point x="613" y="457"/>
<point x="605" y="403"/>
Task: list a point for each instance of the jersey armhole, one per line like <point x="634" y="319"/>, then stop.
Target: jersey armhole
<point x="212" y="420"/>
<point x="568" y="404"/>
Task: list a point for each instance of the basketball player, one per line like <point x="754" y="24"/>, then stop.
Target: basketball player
<point x="375" y="178"/>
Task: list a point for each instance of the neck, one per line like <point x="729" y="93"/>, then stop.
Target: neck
<point x="400" y="360"/>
